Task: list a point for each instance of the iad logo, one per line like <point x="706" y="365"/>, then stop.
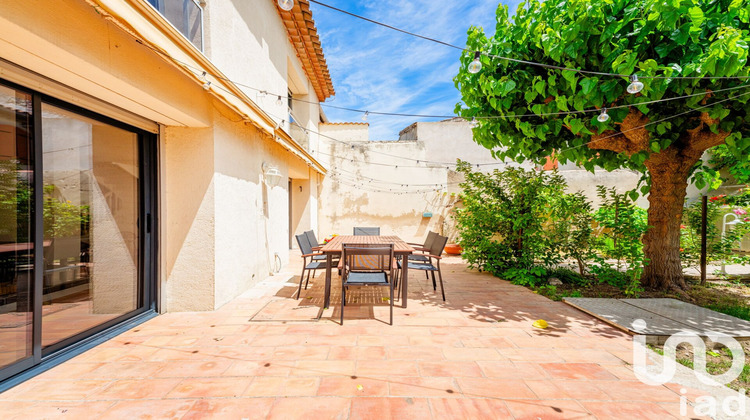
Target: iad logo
<point x="706" y="404"/>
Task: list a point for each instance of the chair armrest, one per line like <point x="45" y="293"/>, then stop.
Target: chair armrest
<point x="316" y="248"/>
<point x="412" y="243"/>
<point x="435" y="256"/>
<point x="312" y="255"/>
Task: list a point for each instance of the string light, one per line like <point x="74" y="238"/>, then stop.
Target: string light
<point x="262" y="93"/>
<point x="474" y="123"/>
<point x="207" y="85"/>
<point x="603" y="117"/>
<point x="364" y="117"/>
<point x="476" y="65"/>
<point x="635" y="86"/>
<point x="286" y="4"/>
<point x="279" y="101"/>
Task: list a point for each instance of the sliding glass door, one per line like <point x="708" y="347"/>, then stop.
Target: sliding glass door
<point x="76" y="196"/>
<point x="16" y="235"/>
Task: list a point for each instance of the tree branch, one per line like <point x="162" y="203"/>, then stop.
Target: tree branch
<point x="631" y="139"/>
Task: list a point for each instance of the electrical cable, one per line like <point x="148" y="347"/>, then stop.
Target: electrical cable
<point x="202" y="74"/>
<point x="531" y="63"/>
<point x="655" y="122"/>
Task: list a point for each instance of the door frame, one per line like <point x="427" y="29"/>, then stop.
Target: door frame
<point x="147" y="228"/>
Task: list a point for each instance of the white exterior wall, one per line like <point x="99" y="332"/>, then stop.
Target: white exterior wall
<point x="220" y="225"/>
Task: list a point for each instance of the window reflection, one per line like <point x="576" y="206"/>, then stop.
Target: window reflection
<point x="16" y="248"/>
<point x="90" y="223"/>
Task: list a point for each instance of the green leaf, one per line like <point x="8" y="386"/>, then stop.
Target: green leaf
<point x="696" y="16"/>
<point x="589" y="84"/>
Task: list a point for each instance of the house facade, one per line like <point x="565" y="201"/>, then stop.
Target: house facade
<point x="147" y="161"/>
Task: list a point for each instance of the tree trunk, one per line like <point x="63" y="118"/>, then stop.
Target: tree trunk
<point x="661" y="244"/>
<point x="669" y="170"/>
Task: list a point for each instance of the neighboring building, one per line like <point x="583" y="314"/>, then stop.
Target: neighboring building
<point x="365" y="188"/>
<point x="136" y="177"/>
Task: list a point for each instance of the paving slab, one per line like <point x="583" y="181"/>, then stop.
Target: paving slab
<point x="664" y="317"/>
<point x="697" y="318"/>
<point x="622" y="315"/>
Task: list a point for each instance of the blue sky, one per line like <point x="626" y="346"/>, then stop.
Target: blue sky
<point x="378" y="69"/>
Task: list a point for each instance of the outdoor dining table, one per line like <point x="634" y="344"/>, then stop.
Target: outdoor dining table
<point x="336" y="245"/>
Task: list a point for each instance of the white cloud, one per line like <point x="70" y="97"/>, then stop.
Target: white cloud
<point x="378" y="69"/>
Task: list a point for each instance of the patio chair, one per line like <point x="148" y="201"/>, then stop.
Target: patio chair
<point x="424" y="248"/>
<point x="366" y="231"/>
<point x="316" y="261"/>
<point x="367" y="265"/>
<point x="313" y="240"/>
<point x="433" y="263"/>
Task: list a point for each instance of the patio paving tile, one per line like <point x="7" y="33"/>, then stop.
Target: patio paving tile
<point x="494" y="388"/>
<point x="320" y="408"/>
<point x="474" y="356"/>
<point x="619" y="410"/>
<point x="353" y="386"/>
<point x="469" y="408"/>
<point x="423" y="387"/>
<point x="134" y="389"/>
<point x="357" y="353"/>
<point x="547" y="410"/>
<point x="210" y="387"/>
<point x="390" y="408"/>
<point x="251" y="368"/>
<point x="387" y="367"/>
<point x="450" y="369"/>
<point x="512" y="370"/>
<point x="323" y="368"/>
<point x="61" y="390"/>
<point x="577" y="371"/>
<point x="274" y="386"/>
<point x="556" y="390"/>
<point x="245" y="408"/>
<point x="150" y="409"/>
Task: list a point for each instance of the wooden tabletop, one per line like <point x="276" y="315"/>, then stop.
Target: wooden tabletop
<point x="335" y="245"/>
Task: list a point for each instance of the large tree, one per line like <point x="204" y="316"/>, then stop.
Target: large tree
<point x="654" y="39"/>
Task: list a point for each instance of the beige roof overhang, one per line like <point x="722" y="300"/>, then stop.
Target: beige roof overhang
<point x="303" y="35"/>
<point x="151" y="29"/>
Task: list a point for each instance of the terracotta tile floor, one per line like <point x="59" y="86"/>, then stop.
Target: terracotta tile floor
<point x="474" y="356"/>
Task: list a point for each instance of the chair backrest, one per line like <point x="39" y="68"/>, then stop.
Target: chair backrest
<point x="311" y="238"/>
<point x="368" y="257"/>
<point x="304" y="244"/>
<point x="430" y="239"/>
<point x="366" y="231"/>
<point x="438" y="245"/>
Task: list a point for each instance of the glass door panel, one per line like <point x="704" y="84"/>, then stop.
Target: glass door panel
<point x="16" y="241"/>
<point x="91" y="235"/>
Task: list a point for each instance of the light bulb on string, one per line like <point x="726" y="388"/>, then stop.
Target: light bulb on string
<point x="476" y="65"/>
<point x="207" y="85"/>
<point x="474" y="123"/>
<point x="278" y="101"/>
<point x="364" y="117"/>
<point x="286" y="4"/>
<point x="603" y="117"/>
<point x="635" y="86"/>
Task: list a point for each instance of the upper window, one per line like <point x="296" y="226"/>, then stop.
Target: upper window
<point x="185" y="15"/>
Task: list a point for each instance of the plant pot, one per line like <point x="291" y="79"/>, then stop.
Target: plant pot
<point x="453" y="249"/>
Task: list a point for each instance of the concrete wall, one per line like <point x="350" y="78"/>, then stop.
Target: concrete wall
<point x="349" y="198"/>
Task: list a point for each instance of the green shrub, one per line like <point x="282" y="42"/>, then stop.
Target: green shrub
<point x="520" y="220"/>
<point x="533" y="276"/>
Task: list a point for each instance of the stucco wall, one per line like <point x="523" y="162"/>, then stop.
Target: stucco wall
<point x="222" y="226"/>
